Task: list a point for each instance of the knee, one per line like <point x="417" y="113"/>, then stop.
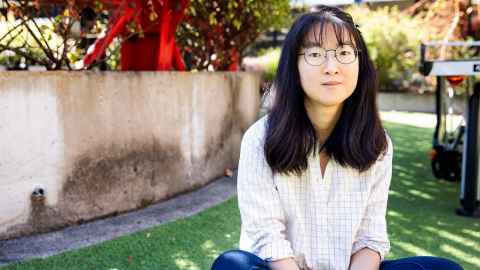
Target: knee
<point x="238" y="260"/>
<point x="424" y="263"/>
<point x="446" y="264"/>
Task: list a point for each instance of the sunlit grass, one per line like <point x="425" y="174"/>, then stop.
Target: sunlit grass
<point x="421" y="218"/>
<point x="421" y="221"/>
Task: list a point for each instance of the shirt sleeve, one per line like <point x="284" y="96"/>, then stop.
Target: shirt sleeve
<point x="262" y="215"/>
<point x="372" y="233"/>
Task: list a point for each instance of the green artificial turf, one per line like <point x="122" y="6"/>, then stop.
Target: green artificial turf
<point x="420" y="216"/>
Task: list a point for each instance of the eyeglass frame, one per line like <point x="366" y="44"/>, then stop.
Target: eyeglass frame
<point x="357" y="51"/>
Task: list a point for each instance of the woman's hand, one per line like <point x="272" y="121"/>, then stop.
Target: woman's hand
<point x="365" y="259"/>
<point x="284" y="264"/>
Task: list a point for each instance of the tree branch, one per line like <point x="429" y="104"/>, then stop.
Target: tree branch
<point x="19" y="51"/>
<point x="42" y="36"/>
<point x="10" y="31"/>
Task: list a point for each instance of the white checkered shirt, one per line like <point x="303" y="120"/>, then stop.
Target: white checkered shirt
<point x="320" y="222"/>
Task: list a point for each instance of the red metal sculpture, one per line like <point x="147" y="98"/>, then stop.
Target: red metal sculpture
<point x="158" y="19"/>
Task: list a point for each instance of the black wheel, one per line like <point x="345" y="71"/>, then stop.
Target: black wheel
<point x="453" y="164"/>
<point x="446" y="164"/>
<point x="436" y="168"/>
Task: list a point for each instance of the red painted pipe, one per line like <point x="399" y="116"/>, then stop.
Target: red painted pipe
<point x="157" y="51"/>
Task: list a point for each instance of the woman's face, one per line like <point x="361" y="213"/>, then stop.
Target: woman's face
<point x="331" y="82"/>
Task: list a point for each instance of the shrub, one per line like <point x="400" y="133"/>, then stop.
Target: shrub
<point x="393" y="41"/>
<point x="270" y="59"/>
<point x="214" y="34"/>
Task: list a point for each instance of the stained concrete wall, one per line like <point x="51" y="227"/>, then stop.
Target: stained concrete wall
<point x="102" y="143"/>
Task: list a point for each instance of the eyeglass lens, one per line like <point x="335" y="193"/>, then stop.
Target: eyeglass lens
<point x="344" y="54"/>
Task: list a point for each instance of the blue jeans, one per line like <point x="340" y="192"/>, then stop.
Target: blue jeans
<point x="242" y="260"/>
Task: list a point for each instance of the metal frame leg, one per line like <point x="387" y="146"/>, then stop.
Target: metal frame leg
<point x="469" y="194"/>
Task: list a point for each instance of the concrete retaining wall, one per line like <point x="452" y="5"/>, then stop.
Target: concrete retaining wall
<point x="413" y="102"/>
<point x="394" y="102"/>
<point x="75" y="146"/>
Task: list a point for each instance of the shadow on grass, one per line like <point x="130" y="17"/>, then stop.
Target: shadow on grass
<point x="191" y="243"/>
<point x="421" y="221"/>
<point x="421" y="218"/>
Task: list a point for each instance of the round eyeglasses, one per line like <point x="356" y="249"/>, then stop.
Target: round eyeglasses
<point x="316" y="56"/>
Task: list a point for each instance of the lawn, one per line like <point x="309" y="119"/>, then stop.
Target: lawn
<point x="421" y="221"/>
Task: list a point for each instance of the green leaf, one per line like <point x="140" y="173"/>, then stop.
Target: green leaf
<point x="237" y="24"/>
<point x="212" y="20"/>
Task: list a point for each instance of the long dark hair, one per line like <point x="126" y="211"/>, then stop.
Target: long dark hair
<point x="358" y="137"/>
